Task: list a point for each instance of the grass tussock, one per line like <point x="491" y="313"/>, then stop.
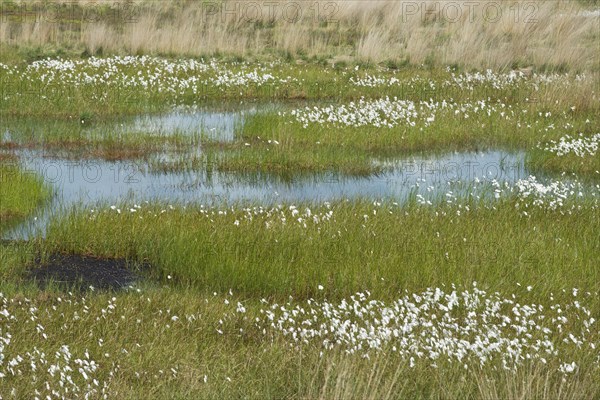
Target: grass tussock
<point x="545" y="34"/>
<point x="20" y="194"/>
<point x="348" y="248"/>
<point x="547" y="162"/>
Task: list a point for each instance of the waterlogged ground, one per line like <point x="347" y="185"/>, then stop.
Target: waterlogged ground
<point x="95" y="183"/>
<point x="79" y="181"/>
<point x="366" y="232"/>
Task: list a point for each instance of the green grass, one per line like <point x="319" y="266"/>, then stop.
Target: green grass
<point x="37" y="98"/>
<point x="588" y="167"/>
<point x="384" y="253"/>
<point x="20" y="194"/>
<point x="289" y="159"/>
<point x="385" y="249"/>
<point x="30" y="94"/>
<point x="137" y="346"/>
<point x="14" y="259"/>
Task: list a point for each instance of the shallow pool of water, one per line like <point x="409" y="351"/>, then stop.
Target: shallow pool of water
<point x="216" y="123"/>
<point x="94" y="183"/>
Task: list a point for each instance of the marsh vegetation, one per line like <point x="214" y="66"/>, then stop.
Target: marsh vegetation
<point x="187" y="207"/>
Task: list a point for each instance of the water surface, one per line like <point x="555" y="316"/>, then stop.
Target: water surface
<point x="97" y="183"/>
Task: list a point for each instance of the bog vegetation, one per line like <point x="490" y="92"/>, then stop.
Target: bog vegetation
<point x="457" y="287"/>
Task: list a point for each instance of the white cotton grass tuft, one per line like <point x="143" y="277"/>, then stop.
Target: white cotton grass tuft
<point x="467" y="327"/>
<point x="582" y="146"/>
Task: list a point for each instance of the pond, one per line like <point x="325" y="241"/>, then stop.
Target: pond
<point x="96" y="183"/>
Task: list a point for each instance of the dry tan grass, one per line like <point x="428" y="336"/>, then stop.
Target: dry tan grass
<point x="345" y="377"/>
<point x="484" y="34"/>
<point x="348" y="378"/>
<point x="534" y="383"/>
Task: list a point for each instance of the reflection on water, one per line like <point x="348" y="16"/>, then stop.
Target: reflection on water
<point x="93" y="183"/>
<point x="212" y="122"/>
<point x="215" y="124"/>
<point x="218" y="124"/>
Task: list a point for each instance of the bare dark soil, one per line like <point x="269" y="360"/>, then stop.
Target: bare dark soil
<point x="78" y="272"/>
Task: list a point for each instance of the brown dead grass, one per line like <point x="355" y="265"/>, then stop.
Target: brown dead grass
<point x="489" y="34"/>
